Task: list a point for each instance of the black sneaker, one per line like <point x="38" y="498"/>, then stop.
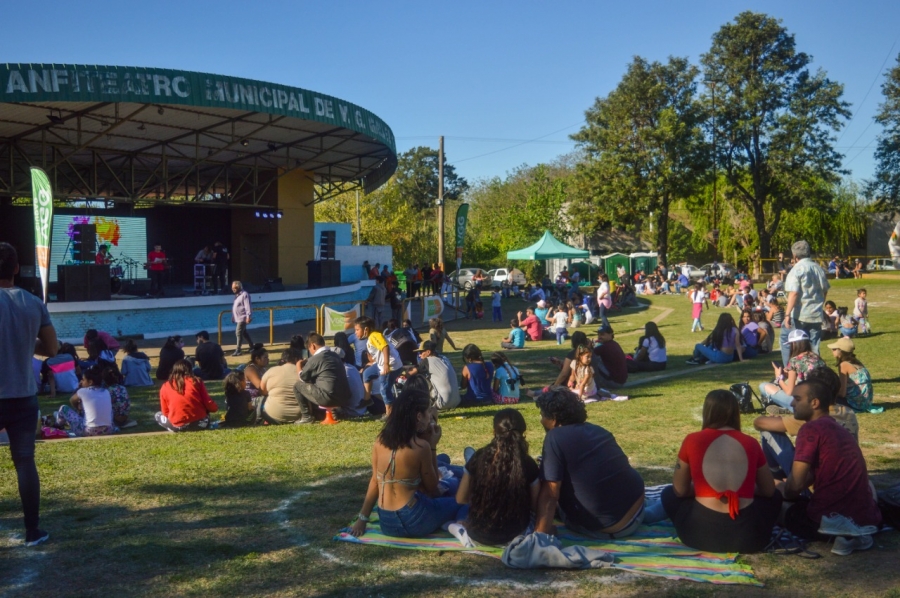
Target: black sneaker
<point x="236" y="354"/>
<point x="35" y="537"/>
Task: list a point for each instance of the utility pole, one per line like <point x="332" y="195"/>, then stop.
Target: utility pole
<point x="715" y="229"/>
<point x="357" y="216"/>
<point x="440" y="203"/>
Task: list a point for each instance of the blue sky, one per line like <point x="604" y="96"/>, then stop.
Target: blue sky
<point x="486" y="75"/>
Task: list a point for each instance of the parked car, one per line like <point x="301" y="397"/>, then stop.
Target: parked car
<point x="500" y="276"/>
<point x="465" y="278"/>
<point x="725" y="270"/>
<point x="880" y="263"/>
<point x="694" y="272"/>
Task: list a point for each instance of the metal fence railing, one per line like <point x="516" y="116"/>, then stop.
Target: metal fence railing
<point x="272" y="311"/>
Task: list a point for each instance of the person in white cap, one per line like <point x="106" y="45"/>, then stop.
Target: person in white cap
<point x="802" y="360"/>
<point x="807" y="287"/>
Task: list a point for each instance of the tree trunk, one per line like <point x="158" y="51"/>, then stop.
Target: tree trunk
<point x="662" y="231"/>
<point x="764" y="235"/>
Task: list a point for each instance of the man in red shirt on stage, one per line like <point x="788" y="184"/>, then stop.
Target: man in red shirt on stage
<point x="156" y="264"/>
<point x="103" y="256"/>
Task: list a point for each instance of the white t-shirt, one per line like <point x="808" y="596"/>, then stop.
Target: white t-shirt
<point x="698" y="296"/>
<point x="97" y="404"/>
<point x="603" y="294"/>
<point x="655" y="353"/>
<point x="560" y="319"/>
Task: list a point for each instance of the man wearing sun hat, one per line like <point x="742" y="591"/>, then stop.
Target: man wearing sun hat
<point x="807" y="287"/>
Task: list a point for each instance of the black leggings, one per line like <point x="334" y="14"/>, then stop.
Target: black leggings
<point x="704" y="529"/>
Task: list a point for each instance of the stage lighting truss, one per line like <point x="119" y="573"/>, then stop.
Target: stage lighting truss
<point x="269" y="214"/>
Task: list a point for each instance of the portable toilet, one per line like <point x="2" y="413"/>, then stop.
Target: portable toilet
<point x="587" y="271"/>
<point x="612" y="261"/>
<point x="644" y="260"/>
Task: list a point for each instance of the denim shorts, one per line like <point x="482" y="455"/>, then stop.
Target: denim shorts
<point x="426" y="516"/>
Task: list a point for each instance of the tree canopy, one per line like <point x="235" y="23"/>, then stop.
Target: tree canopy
<point x="644" y="146"/>
<point x="775" y="120"/>
<point x="417" y="178"/>
<point x="887" y="152"/>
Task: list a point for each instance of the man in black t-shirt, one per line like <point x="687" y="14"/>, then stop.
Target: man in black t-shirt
<point x="210" y="359"/>
<point x="220" y="262"/>
<point x="586" y="478"/>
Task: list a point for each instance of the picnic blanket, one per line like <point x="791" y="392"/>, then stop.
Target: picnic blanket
<point x="652" y="550"/>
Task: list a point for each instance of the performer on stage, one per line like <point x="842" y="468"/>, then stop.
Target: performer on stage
<point x="220" y="261"/>
<point x="204" y="256"/>
<point x="103" y="256"/>
<point x="156" y="264"/>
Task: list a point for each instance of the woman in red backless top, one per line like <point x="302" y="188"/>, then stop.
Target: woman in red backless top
<point x="722" y="497"/>
<point x="184" y="403"/>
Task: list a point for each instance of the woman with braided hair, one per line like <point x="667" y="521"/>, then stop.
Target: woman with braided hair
<point x="500" y="484"/>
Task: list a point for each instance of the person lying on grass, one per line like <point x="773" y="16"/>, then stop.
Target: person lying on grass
<point x="722" y="497"/>
<point x="404" y="482"/>
<point x="586" y="478"/>
<point x="500" y="484"/>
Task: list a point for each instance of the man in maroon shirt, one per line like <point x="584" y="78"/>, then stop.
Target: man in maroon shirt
<point x="828" y="455"/>
<point x="531" y="324"/>
<point x="612" y="370"/>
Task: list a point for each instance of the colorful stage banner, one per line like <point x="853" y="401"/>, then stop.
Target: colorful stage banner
<point x="43" y="218"/>
<point x="340" y="321"/>
<point x="432" y="307"/>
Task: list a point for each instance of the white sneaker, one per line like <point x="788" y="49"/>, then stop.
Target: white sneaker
<point x="618" y="398"/>
<point x="468" y="453"/>
<point x="839" y="525"/>
<point x="845" y="546"/>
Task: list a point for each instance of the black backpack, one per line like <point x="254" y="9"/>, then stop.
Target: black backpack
<point x="744" y="394"/>
<point x="889" y="503"/>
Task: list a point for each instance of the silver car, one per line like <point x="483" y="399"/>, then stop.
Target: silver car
<point x="725" y="270"/>
<point x="465" y="278"/>
<point x="500" y="275"/>
<point x="880" y="263"/>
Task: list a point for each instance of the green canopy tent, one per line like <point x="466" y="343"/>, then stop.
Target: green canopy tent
<point x="548" y="247"/>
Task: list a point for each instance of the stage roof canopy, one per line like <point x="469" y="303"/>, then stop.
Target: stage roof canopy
<point x="155" y="135"/>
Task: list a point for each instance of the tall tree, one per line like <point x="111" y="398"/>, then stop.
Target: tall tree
<point x="887" y="153"/>
<point x="417" y="178"/>
<point x="645" y="147"/>
<point x="774" y="119"/>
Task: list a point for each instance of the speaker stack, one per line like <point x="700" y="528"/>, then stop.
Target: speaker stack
<point x="326" y="271"/>
<point x="83" y="282"/>
<point x="84" y="242"/>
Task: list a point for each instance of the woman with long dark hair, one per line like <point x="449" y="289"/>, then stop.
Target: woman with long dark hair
<point x="722" y="497"/>
<point x="476" y="377"/>
<point x="650" y="354"/>
<point x="752" y="335"/>
<point x="256" y="369"/>
<point x="343" y="343"/>
<point x="184" y="403"/>
<point x="405" y="477"/>
<point x="500" y="484"/>
<point x="721" y="345"/>
<point x="171" y="353"/>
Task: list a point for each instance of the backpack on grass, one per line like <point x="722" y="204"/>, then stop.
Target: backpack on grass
<point x="744" y="394"/>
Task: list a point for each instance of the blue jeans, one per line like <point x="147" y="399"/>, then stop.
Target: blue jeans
<point x="778" y="450"/>
<point x="450" y="485"/>
<point x="814" y="330"/>
<point x="19" y="417"/>
<point x="712" y="354"/>
<point x="780" y="398"/>
<point x="497" y="315"/>
<point x="560" y="335"/>
<point x="601" y="313"/>
<point x="748" y="352"/>
<point x="417" y="521"/>
<point x="385" y="383"/>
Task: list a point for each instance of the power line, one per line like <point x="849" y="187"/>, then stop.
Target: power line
<point x="489" y="139"/>
<point x="517" y="144"/>
<point x="874" y="81"/>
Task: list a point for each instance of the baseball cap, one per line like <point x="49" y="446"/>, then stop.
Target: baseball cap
<point x="797" y="335"/>
<point x="607" y="329"/>
<point x="427" y="346"/>
<point x="844" y="343"/>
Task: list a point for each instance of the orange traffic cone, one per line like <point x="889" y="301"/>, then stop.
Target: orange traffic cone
<point x="329" y="419"/>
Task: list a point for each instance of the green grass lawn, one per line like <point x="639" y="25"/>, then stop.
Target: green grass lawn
<point x="252" y="511"/>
